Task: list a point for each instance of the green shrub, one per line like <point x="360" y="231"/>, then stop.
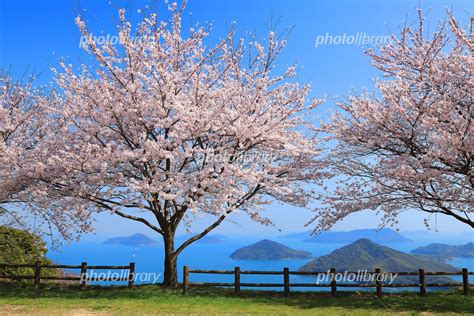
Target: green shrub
<point x="22" y="247"/>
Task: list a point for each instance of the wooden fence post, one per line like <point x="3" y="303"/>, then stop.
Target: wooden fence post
<point x="83" y="274"/>
<point x="378" y="282"/>
<point x="333" y="282"/>
<point x="465" y="281"/>
<point x="131" y="275"/>
<point x="286" y="281"/>
<point x="37" y="274"/>
<point x="237" y="280"/>
<point x="422" y="282"/>
<point x="185" y="280"/>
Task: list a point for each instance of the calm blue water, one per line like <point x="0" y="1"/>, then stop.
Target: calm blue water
<point x="203" y="255"/>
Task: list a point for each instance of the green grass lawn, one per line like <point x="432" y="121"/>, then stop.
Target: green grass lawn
<point x="18" y="298"/>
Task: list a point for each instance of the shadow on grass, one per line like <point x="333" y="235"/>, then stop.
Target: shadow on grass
<point x="440" y="302"/>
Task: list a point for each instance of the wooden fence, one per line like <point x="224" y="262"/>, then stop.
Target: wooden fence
<point x="38" y="267"/>
<point x="333" y="285"/>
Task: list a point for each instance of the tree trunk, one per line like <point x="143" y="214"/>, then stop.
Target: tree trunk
<point x="171" y="272"/>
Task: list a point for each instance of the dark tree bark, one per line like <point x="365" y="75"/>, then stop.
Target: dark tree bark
<point x="170" y="262"/>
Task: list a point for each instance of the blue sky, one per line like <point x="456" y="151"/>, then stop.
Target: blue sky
<point x="38" y="33"/>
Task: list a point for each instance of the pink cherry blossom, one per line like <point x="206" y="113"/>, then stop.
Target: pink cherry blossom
<point x="168" y="128"/>
<point x="25" y="121"/>
<point x="410" y="145"/>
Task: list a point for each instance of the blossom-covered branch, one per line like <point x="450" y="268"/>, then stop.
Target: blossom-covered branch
<point x="25" y="121"/>
<point x="166" y="127"/>
<point x="411" y="145"/>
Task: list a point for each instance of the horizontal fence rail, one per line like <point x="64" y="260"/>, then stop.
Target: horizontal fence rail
<point x="333" y="285"/>
<point x="82" y="278"/>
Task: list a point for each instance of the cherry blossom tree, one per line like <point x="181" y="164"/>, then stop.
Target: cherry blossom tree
<point x="25" y="118"/>
<point x="166" y="129"/>
<point x="411" y="144"/>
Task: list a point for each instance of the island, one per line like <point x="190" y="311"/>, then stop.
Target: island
<point x="207" y="239"/>
<point x="445" y="252"/>
<point x="384" y="235"/>
<point x="364" y="254"/>
<point x="212" y="239"/>
<point x="133" y="240"/>
<point x="268" y="250"/>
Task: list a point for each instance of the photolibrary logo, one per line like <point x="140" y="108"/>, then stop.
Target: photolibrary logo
<point x="360" y="276"/>
<point x="142" y="277"/>
<point x="100" y="40"/>
<point x="245" y="158"/>
<point x="360" y="38"/>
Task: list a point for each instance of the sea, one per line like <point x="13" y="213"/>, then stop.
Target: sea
<point x="215" y="255"/>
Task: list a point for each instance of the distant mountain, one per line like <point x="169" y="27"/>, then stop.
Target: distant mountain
<point x="445" y="252"/>
<point x="208" y="239"/>
<point x="133" y="240"/>
<point x="212" y="239"/>
<point x="300" y="235"/>
<point x="364" y="254"/>
<point x="432" y="236"/>
<point x="384" y="235"/>
<point x="268" y="250"/>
